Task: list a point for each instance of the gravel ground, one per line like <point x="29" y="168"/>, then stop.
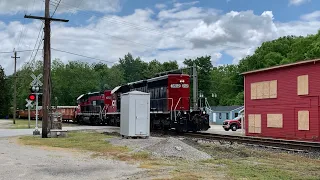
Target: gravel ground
<point x="236" y="146"/>
<point x="25" y="162"/>
<point x="4" y="124"/>
<point x="162" y="147"/>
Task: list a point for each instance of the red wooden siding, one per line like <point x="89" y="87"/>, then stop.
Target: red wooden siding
<point x="287" y="103"/>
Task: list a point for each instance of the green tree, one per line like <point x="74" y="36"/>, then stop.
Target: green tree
<point x="204" y="69"/>
<point x="5" y="94"/>
<point x="133" y="69"/>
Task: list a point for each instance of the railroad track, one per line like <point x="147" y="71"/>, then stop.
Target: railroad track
<point x="288" y="145"/>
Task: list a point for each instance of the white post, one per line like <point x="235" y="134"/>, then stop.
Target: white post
<point x="28" y="116"/>
<point x="36" y="110"/>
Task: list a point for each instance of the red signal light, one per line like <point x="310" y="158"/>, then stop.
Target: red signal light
<point x="32" y="97"/>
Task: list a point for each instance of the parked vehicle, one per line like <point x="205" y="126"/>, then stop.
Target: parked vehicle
<point x="232" y="124"/>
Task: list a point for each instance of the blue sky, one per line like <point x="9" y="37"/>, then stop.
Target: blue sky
<point x="228" y="30"/>
<point x="282" y="10"/>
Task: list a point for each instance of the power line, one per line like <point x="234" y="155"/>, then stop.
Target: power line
<point x="41" y="32"/>
<point x="81" y="55"/>
<point x="141" y="27"/>
<point x="9" y="52"/>
<point x="5" y="52"/>
<point x="56" y="8"/>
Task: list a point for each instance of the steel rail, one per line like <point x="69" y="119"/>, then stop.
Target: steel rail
<point x="268" y="142"/>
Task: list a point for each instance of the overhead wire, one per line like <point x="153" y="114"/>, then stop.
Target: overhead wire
<point x="41" y="32"/>
<point x="22" y="32"/>
<point x="123" y="22"/>
<point x="4" y="52"/>
<point x="76" y="54"/>
<point x="124" y="39"/>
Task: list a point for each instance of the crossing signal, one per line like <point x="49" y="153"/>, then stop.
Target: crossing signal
<point x="32" y="97"/>
<point x="35" y="89"/>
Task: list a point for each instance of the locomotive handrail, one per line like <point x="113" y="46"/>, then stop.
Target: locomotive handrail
<point x="175" y="108"/>
<point x="171" y="104"/>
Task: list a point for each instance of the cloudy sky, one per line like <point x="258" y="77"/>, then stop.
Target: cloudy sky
<point x="164" y="30"/>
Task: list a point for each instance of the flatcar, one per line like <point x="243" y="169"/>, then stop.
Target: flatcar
<point x="169" y="108"/>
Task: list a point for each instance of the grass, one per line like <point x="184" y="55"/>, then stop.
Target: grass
<point x="228" y="162"/>
<point x="89" y="141"/>
<point x="23" y="124"/>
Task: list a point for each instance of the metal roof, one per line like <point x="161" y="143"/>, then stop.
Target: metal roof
<point x="80" y="97"/>
<point x="281" y="66"/>
<point x="115" y="89"/>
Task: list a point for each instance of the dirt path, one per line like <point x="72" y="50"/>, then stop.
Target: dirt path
<point x="24" y="162"/>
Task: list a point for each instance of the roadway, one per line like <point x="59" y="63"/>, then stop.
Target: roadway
<point x="215" y="129"/>
<point x="4" y="132"/>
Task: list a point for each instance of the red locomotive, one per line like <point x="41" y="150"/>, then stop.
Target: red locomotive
<point x="169" y="108"/>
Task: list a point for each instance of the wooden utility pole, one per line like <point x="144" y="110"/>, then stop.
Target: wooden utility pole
<point x="46" y="104"/>
<point x="15" y="87"/>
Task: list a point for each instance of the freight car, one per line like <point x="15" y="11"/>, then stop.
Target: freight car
<point x="67" y="112"/>
<point x="169" y="98"/>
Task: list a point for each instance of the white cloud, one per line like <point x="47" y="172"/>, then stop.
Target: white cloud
<point x="311" y="16"/>
<point x="184" y="32"/>
<point x="191" y="13"/>
<point x="160" y="6"/>
<point x="298" y="2"/>
<point x="239" y="28"/>
<point x="180" y="5"/>
<point x="23" y="6"/>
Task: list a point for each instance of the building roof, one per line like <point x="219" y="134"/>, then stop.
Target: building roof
<point x="224" y="108"/>
<point x="281" y="66"/>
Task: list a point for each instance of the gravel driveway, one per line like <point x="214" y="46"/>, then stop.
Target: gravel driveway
<point x="25" y="162"/>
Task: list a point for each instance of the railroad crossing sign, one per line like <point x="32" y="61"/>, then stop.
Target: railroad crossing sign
<point x="29" y="103"/>
<point x="36" y="80"/>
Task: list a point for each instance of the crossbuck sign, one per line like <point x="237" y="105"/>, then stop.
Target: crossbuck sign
<point x="29" y="103"/>
<point x="36" y="80"/>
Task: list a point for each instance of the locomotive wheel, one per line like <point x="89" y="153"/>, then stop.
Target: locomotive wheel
<point x="80" y="120"/>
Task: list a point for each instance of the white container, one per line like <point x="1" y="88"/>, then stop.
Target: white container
<point x="135" y="114"/>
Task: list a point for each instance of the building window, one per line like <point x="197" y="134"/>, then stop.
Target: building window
<point x="274" y="121"/>
<point x="303" y="120"/>
<point x="264" y="90"/>
<point x="220" y="116"/>
<point x="303" y="85"/>
<point x="236" y="114"/>
<point x="227" y="115"/>
<point x="254" y="122"/>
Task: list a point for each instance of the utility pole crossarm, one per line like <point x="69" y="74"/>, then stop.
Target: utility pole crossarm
<point x="44" y="18"/>
<point x="46" y="103"/>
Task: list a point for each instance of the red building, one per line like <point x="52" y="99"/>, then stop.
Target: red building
<point x="284" y="101"/>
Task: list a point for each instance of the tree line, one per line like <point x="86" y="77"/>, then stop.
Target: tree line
<point x="69" y="80"/>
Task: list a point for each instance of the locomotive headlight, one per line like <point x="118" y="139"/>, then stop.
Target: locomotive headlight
<point x="185" y="112"/>
<point x="204" y="112"/>
<point x="181" y="81"/>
